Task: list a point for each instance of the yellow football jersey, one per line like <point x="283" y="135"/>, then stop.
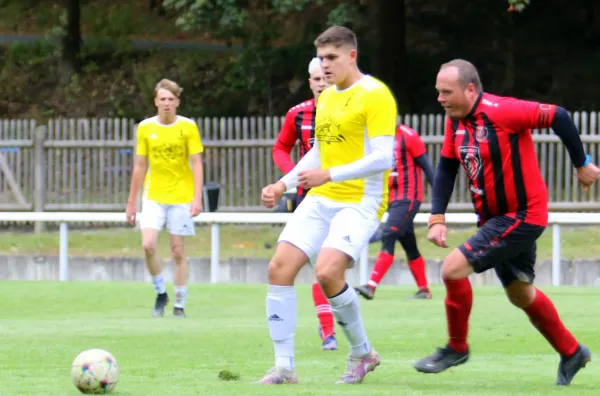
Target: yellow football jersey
<point x="169" y="179"/>
<point x="346" y="120"/>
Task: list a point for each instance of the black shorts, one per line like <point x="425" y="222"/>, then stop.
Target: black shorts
<point x="299" y="199"/>
<point x="506" y="244"/>
<point x="401" y="215"/>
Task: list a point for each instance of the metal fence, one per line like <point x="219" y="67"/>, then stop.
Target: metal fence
<point x="86" y="164"/>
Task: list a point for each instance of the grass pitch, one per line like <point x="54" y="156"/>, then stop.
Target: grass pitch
<point x="259" y="241"/>
<point x="45" y="325"/>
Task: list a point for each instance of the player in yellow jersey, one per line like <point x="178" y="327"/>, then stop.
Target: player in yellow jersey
<point x="169" y="165"/>
<point x="347" y="173"/>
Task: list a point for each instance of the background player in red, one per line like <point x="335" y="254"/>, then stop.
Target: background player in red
<point x="491" y="137"/>
<point x="406" y="195"/>
<point x="299" y="125"/>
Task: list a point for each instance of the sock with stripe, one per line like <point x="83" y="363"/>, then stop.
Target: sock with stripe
<point x="346" y="311"/>
<point x="381" y="267"/>
<point x="323" y="310"/>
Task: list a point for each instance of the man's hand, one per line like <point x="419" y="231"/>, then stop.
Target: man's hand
<point x="587" y="175"/>
<point x="131" y="212"/>
<point x="196" y="207"/>
<point x="272" y="193"/>
<point x="314" y="178"/>
<point x="437" y="235"/>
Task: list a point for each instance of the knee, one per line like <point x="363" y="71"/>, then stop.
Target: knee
<point x="177" y="252"/>
<point x="456" y="266"/>
<point x="324" y="274"/>
<point x="149" y="247"/>
<point x="520" y="294"/>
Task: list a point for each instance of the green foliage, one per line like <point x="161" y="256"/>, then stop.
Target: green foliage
<point x="517" y="5"/>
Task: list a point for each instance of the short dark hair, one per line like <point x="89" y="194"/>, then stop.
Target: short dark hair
<point x="337" y="36"/>
<point x="467" y="73"/>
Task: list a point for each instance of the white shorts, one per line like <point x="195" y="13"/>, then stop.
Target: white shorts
<point x="177" y="216"/>
<point x="319" y="222"/>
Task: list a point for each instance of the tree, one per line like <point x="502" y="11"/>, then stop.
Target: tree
<point x="266" y="29"/>
<point x="71" y="40"/>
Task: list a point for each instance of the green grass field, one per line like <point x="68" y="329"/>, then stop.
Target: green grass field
<point x="45" y="325"/>
<point x="249" y="241"/>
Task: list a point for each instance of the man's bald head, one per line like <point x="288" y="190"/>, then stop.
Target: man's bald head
<point x="466" y="73"/>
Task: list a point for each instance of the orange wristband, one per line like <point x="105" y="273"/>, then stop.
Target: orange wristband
<point x="436" y="219"/>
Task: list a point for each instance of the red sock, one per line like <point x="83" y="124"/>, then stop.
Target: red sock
<point x="544" y="317"/>
<point x="417" y="268"/>
<point x="459" y="299"/>
<point x="323" y="310"/>
<point x="382" y="265"/>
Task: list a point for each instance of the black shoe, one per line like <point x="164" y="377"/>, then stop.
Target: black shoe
<point x="178" y="312"/>
<point x="441" y="360"/>
<point x="365" y="291"/>
<point x="422" y="293"/>
<point x="159" y="305"/>
<point x="570" y="365"/>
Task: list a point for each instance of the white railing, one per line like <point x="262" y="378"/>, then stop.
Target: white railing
<point x="214" y="219"/>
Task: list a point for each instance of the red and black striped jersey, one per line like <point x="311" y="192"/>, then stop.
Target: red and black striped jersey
<point x="406" y="179"/>
<point x="299" y="125"/>
<point x="495" y="147"/>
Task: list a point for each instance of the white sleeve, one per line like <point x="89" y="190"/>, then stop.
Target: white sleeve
<point x="379" y="160"/>
<point x="310" y="160"/>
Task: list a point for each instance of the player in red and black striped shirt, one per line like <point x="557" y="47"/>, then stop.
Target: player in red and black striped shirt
<point x="299" y="125"/>
<point x="405" y="197"/>
<point x="490" y="136"/>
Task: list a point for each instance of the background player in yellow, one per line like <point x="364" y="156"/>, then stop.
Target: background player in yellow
<point x="169" y="165"/>
<point x="347" y="171"/>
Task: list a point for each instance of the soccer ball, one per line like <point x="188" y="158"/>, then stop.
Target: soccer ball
<point x="95" y="371"/>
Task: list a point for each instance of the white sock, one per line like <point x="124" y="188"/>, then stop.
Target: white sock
<point x="346" y="311"/>
<point x="180" y="295"/>
<point x="281" y="318"/>
<point x="159" y="284"/>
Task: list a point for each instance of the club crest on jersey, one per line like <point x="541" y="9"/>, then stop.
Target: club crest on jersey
<point x="481" y="133"/>
<point x="471" y="160"/>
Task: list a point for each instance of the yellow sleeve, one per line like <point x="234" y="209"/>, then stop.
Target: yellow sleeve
<point x="380" y="113"/>
<point x="142" y="143"/>
<point x="194" y="142"/>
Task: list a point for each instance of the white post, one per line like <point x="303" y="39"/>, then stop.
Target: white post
<point x="214" y="253"/>
<point x="63" y="255"/>
<point x="364" y="265"/>
<point x="556" y="261"/>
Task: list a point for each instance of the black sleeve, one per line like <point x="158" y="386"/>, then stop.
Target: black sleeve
<point x="443" y="184"/>
<point x="565" y="129"/>
<point x="423" y="162"/>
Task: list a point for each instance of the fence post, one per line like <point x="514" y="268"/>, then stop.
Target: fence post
<point x="214" y="253"/>
<point x="364" y="266"/>
<point x="63" y="253"/>
<point x="39" y="180"/>
<point x="556" y="261"/>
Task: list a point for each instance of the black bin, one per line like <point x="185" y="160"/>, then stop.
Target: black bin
<point x="211" y="197"/>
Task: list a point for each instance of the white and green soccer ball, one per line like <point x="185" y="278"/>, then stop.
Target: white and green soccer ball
<point x="95" y="371"/>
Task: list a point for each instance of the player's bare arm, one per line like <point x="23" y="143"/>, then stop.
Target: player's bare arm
<point x="197" y="171"/>
<point x="140" y="168"/>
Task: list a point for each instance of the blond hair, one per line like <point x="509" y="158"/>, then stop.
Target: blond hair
<point x="337" y="36"/>
<point x="170" y="86"/>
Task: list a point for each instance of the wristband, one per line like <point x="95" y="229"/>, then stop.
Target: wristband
<point x="436" y="219"/>
<point x="588" y="160"/>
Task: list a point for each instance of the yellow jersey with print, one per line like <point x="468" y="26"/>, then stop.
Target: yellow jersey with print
<point x="169" y="179"/>
<point x="346" y="120"/>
